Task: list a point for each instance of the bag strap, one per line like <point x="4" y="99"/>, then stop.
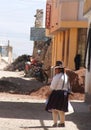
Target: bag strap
<point x="63" y="82"/>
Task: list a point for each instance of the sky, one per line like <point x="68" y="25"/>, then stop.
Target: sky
<point x="16" y="19"/>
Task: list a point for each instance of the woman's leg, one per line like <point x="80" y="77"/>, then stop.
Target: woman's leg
<point x="62" y="116"/>
<point x="55" y="115"/>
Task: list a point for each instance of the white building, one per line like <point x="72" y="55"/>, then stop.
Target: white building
<point x="5" y="55"/>
<point x="87" y="14"/>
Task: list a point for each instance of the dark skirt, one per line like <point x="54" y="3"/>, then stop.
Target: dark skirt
<point x="57" y="100"/>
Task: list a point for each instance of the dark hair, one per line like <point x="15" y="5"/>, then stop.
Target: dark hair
<point x="62" y="70"/>
<point x="58" y="63"/>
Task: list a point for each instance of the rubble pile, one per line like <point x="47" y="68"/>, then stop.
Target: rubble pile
<point x="9" y="87"/>
<point x="18" y="64"/>
<point x="44" y="92"/>
<point x="77" y="84"/>
<point x="16" y="85"/>
<point x="35" y="88"/>
<point x="77" y="80"/>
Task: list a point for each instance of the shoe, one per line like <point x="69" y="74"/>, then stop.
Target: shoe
<point x="61" y="125"/>
<point x="54" y="125"/>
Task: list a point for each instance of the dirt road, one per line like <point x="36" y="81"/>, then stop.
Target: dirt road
<point x="18" y="110"/>
<point x="22" y="112"/>
<point x="25" y="112"/>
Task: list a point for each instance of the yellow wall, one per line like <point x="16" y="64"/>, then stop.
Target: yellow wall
<point x="65" y="49"/>
<point x="72" y="47"/>
<point x="54" y="50"/>
<point x="57" y="48"/>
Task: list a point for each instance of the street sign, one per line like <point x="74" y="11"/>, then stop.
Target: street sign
<point x="37" y="34"/>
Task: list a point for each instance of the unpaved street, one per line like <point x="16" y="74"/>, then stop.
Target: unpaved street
<point x="18" y="112"/>
<point x="22" y="112"/>
<point x="25" y="112"/>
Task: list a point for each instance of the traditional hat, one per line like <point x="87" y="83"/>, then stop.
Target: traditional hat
<point x="59" y="63"/>
<point x="59" y="67"/>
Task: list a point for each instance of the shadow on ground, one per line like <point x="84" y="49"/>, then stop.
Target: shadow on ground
<point x="24" y="110"/>
<point x="36" y="111"/>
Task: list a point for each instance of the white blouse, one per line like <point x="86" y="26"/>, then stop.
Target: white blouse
<point x="60" y="82"/>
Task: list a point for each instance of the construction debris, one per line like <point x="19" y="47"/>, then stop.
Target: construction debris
<point x="18" y="64"/>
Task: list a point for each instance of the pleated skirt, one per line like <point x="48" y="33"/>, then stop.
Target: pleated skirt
<point x="57" y="100"/>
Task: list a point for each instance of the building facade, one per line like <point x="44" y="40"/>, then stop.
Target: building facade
<point x="68" y="28"/>
<point x="87" y="14"/>
<point x="6" y="53"/>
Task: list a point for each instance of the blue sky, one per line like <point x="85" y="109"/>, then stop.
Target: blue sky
<point x="16" y="19"/>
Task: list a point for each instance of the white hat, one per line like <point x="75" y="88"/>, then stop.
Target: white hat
<point x="59" y="67"/>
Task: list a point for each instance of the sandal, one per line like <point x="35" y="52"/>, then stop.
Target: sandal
<point x="61" y="125"/>
<point x="54" y="125"/>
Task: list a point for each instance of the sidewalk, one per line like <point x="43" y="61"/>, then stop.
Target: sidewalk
<point x="24" y="113"/>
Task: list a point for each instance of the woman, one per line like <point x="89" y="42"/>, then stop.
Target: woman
<point x="58" y="100"/>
